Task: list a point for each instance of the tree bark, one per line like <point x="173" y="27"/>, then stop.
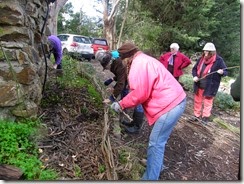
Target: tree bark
<point x="54" y="9"/>
<point x="123" y="23"/>
<point x="109" y="22"/>
<point x="8" y="172"/>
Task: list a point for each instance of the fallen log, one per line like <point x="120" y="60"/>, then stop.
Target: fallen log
<point x="8" y="172"/>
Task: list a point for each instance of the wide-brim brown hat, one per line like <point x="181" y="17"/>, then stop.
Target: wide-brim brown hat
<point x="127" y="50"/>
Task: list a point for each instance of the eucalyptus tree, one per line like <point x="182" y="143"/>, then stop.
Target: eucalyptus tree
<point x="63" y="21"/>
<point x="53" y="15"/>
<point x="109" y="16"/>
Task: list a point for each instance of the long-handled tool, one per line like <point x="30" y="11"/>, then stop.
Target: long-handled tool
<point x="216" y="71"/>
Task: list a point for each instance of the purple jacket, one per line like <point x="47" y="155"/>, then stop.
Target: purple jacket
<point x="57" y="48"/>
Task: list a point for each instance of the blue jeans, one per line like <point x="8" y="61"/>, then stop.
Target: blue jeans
<point x="157" y="140"/>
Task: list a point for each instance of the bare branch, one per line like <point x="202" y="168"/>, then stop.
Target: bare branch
<point x="123" y="23"/>
<point x="114" y="9"/>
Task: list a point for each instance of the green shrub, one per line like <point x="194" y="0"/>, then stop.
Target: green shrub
<point x="72" y="78"/>
<point x="186" y="79"/>
<point x="17" y="147"/>
<point x="224" y="101"/>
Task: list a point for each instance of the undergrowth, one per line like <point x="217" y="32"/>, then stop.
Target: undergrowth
<point x="226" y="125"/>
<point x="18" y="148"/>
<point x="72" y="78"/>
<point x="223" y="101"/>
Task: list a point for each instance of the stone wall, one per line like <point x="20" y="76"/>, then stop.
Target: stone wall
<point x="22" y="65"/>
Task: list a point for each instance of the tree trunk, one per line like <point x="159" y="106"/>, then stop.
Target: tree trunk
<point x="54" y="9"/>
<point x="123" y="23"/>
<point x="8" y="172"/>
<point x="109" y="22"/>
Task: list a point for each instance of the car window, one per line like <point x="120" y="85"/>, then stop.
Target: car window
<point x="86" y="40"/>
<point x="100" y="42"/>
<point x="63" y="37"/>
<point x="81" y="40"/>
<point x="77" y="39"/>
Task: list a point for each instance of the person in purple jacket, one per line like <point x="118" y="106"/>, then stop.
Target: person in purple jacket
<point x="55" y="47"/>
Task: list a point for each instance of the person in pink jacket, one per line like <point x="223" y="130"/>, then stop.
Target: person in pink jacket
<point x="162" y="97"/>
<point x="175" y="61"/>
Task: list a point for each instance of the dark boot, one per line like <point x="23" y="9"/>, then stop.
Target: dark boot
<point x="131" y="130"/>
<point x="205" y="120"/>
<point x="138" y="119"/>
<point x="134" y="126"/>
<point x="128" y="124"/>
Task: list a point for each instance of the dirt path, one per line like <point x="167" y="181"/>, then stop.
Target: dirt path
<point x="195" y="151"/>
<point x="72" y="145"/>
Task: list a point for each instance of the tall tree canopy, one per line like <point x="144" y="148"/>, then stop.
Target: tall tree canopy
<point x="78" y="23"/>
<point x="153" y="25"/>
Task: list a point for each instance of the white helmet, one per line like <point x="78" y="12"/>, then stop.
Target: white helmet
<point x="209" y="47"/>
<point x="175" y="46"/>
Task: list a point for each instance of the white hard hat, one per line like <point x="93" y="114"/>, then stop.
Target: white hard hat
<point x="174" y="46"/>
<point x="209" y="47"/>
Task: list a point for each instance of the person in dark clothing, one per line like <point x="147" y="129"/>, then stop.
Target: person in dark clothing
<point x="206" y="86"/>
<point x="111" y="61"/>
<point x="235" y="92"/>
<point x="55" y="48"/>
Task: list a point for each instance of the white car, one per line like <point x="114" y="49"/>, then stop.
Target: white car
<point x="77" y="45"/>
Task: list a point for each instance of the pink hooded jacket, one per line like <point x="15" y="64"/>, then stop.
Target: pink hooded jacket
<point x="153" y="86"/>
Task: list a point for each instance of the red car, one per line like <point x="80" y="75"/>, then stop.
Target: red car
<point x="99" y="44"/>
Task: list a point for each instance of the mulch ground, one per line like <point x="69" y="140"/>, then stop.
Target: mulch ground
<point x="73" y="135"/>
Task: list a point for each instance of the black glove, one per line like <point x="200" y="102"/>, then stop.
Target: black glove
<point x="107" y="82"/>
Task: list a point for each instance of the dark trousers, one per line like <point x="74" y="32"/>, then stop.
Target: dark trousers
<point x="59" y="66"/>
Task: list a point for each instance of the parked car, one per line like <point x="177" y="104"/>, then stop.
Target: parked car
<point x="77" y="45"/>
<point x="99" y="44"/>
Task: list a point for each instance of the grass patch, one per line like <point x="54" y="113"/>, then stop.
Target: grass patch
<point x="227" y="126"/>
